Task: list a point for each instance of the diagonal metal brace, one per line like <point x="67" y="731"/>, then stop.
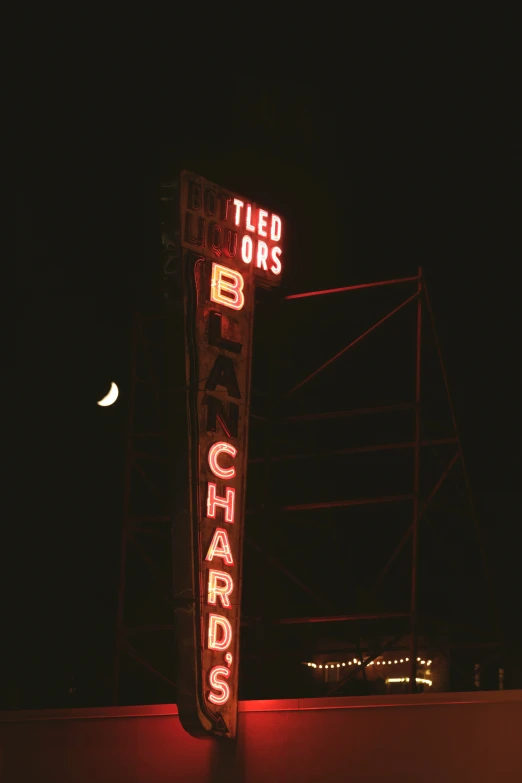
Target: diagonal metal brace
<point x="354" y="342"/>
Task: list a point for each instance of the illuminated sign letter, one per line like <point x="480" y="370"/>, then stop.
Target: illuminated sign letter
<point x="217" y="684"/>
<point x="220" y="584"/>
<point x="247" y="249"/>
<point x="238" y="205"/>
<point x="275" y="228"/>
<point x="261" y="223"/>
<point x="219" y="632"/>
<point x="226" y="287"/>
<point x="214" y="500"/>
<point x="220" y="547"/>
<point x="249" y="225"/>
<point x="276" y="266"/>
<point x="262" y="254"/>
<point x="217" y="470"/>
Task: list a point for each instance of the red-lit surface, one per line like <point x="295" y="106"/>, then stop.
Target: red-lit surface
<point x="455" y="737"/>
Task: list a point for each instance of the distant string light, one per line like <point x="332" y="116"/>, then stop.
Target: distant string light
<point x="407" y="679"/>
<point x="356" y="662"/>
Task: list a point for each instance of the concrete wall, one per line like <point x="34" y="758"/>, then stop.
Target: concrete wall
<point x="437" y="738"/>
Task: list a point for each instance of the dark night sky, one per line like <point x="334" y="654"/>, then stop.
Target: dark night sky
<point x="395" y="147"/>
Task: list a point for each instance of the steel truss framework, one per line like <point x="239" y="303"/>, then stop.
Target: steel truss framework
<point x="146" y="524"/>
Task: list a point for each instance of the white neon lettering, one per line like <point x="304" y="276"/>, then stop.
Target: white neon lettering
<point x="238" y="205"/>
<point x="261" y="222"/>
<point x="275" y="228"/>
<point x="247" y="249"/>
<point x="249" y="224"/>
<point x="276" y="266"/>
<point x="262" y="254"/>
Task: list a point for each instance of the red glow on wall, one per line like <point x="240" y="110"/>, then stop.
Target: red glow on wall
<point x="216" y="501"/>
<point x="226" y="287"/>
<point x="217" y="684"/>
<point x="216" y="449"/>
<point x="220" y="584"/>
<point x="220" y="547"/>
<point x="219" y="632"/>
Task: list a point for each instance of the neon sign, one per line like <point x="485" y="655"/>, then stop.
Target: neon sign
<point x="227" y="245"/>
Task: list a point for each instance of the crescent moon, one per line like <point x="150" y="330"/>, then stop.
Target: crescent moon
<point x="109" y="398"/>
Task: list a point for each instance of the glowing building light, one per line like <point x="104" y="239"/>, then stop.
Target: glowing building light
<point x="407" y="679"/>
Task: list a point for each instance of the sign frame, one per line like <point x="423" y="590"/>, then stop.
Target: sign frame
<point x="217" y="247"/>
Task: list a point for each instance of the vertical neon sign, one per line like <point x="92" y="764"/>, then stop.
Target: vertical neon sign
<point x="227" y="246"/>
